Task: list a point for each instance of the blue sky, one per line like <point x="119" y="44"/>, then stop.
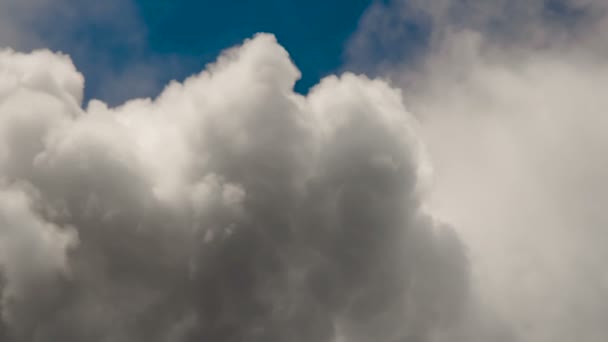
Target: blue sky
<point x="314" y="32"/>
<point x="128" y="49"/>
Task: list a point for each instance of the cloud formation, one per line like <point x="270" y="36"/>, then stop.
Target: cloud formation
<point x="227" y="209"/>
<point x="510" y="99"/>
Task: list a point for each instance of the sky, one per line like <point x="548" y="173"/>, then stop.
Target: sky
<point x="320" y="171"/>
<point x="166" y="40"/>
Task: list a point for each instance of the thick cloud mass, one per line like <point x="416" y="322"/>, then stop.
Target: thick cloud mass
<point x="227" y="209"/>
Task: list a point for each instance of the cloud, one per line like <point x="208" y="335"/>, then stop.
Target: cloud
<point x="107" y="40"/>
<point x="229" y="208"/>
<point x="510" y="99"/>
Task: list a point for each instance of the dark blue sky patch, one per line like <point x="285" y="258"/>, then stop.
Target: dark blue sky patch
<point x="314" y="31"/>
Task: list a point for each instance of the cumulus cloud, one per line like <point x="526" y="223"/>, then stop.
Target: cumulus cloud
<point x="229" y="208"/>
<point x="510" y="99"/>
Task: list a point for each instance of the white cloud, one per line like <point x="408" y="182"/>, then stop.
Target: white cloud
<point x="229" y="208"/>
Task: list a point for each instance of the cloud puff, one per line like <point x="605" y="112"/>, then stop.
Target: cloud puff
<point x="227" y="209"/>
<point x="111" y="26"/>
<point x="510" y="99"/>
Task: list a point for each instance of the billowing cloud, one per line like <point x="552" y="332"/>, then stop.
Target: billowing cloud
<point x="229" y="208"/>
<point x="510" y="99"/>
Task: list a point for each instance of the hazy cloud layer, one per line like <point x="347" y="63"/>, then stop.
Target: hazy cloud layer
<point x="227" y="209"/>
<point x="510" y="95"/>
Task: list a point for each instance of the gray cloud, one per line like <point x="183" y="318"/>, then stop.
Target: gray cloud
<point x="227" y="209"/>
